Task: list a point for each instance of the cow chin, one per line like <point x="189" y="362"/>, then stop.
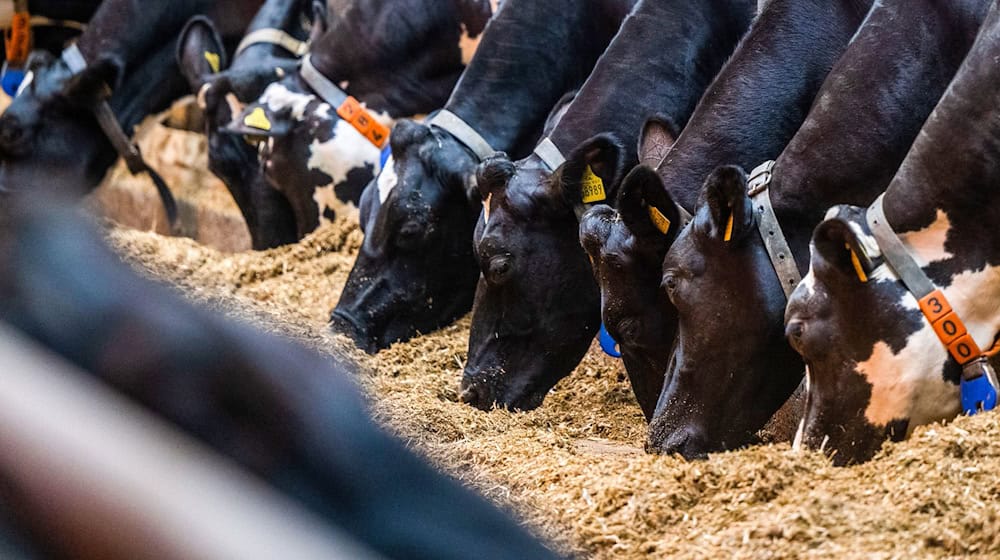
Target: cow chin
<point x="492" y="389"/>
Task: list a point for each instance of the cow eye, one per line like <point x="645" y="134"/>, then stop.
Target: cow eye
<point x="409" y="235"/>
<point x="500" y="268"/>
<point x="670" y="283"/>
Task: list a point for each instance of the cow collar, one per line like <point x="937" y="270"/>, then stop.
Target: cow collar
<point x="979" y="381"/>
<point x="273" y="36"/>
<point x="122" y="143"/>
<point x="454" y="125"/>
<point x="777" y="247"/>
<point x="348" y="108"/>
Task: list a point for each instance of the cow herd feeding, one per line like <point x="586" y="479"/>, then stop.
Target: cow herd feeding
<point x="778" y="209"/>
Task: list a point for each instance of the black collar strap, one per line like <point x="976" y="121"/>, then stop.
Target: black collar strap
<point x="770" y="230"/>
<point x="272" y="36"/>
<point x="122" y="143"/>
<point x="933" y="304"/>
<point x="454" y="125"/>
<point x="348" y="108"/>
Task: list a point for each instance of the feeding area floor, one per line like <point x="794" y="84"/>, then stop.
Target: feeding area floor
<point x="574" y="471"/>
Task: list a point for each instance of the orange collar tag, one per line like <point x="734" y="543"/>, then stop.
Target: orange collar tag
<point x="17" y="40"/>
<point x="352" y="112"/>
<point x="660" y="222"/>
<point x="592" y="187"/>
<point x="949" y="328"/>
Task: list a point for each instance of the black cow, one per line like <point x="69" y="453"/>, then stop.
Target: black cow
<point x="50" y="131"/>
<point x="291" y="416"/>
<point x="395" y="58"/>
<point x="222" y="91"/>
<point x="537" y="306"/>
<point x="416" y="271"/>
<point x="733" y="367"/>
<point x="876" y="367"/>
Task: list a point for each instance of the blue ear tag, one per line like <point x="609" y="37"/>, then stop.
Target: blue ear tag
<point x="386" y="154"/>
<point x="10" y="79"/>
<point x="978" y="395"/>
<point x="610" y="347"/>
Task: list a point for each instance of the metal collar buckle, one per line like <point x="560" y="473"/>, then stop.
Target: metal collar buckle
<point x="760" y="178"/>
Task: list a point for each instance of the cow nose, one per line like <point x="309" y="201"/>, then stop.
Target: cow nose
<point x="346" y="324"/>
<point x="475" y="394"/>
<point x="688" y="442"/>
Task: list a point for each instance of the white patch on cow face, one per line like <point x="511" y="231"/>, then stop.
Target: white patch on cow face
<point x="278" y="97"/>
<point x="25" y="83"/>
<point x="387" y="180"/>
<point x="928" y="245"/>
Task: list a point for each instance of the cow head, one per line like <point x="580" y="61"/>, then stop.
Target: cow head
<point x="626" y="249"/>
<point x="732" y="367"/>
<point x="875" y="367"/>
<point x="221" y="93"/>
<point x="415" y="271"/>
<point x="47" y="135"/>
<point x="537" y="307"/>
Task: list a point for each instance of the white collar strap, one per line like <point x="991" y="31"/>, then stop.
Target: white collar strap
<point x="550" y="154"/>
<point x="322" y="85"/>
<point x="454" y="125"/>
<point x="273" y="36"/>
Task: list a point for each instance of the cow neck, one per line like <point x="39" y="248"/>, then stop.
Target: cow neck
<point x="758" y="101"/>
<point x="277" y="26"/>
<point x="665" y="55"/>
<point x="532" y="53"/>
<point x="833" y="161"/>
<point x="159" y="22"/>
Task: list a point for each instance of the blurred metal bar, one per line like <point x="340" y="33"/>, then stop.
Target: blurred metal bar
<point x="100" y="477"/>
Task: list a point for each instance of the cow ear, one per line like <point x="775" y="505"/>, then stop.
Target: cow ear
<point x="646" y="207"/>
<point x="657" y="137"/>
<point x="91" y="85"/>
<point x="493" y="175"/>
<point x="591" y="171"/>
<point x="474" y="14"/>
<point x="838" y="249"/>
<point x="319" y="26"/>
<point x="730" y="214"/>
<point x="200" y="52"/>
<point x="258" y="121"/>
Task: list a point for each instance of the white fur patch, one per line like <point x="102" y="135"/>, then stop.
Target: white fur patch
<point x="928" y="245"/>
<point x="387" y="180"/>
<point x="348" y="149"/>
<point x="278" y="97"/>
<point x="25" y="83"/>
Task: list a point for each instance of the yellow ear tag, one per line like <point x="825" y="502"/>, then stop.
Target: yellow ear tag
<point x="729" y="228"/>
<point x="258" y="119"/>
<point x="860" y="270"/>
<point x="486" y="208"/>
<point x="659" y="220"/>
<point x="592" y="187"/>
<point x="213" y="60"/>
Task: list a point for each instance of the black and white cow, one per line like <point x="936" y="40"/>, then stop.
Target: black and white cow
<point x="876" y="367"/>
<point x="222" y="92"/>
<point x="537" y="307"/>
<point x="397" y="59"/>
<point x="287" y="414"/>
<point x="49" y="137"/>
<point x="732" y="367"/>
<point x="416" y="271"/>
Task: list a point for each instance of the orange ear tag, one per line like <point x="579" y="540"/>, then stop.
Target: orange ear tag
<point x="729" y="228"/>
<point x="592" y="187"/>
<point x="860" y="270"/>
<point x="660" y="222"/>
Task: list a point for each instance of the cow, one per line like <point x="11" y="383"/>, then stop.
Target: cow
<point x="416" y="271"/>
<point x="324" y="128"/>
<point x="725" y="276"/>
<point x="537" y="306"/>
<point x="59" y="126"/>
<point x="753" y="83"/>
<point x="877" y="366"/>
<point x="275" y="40"/>
<point x="291" y="416"/>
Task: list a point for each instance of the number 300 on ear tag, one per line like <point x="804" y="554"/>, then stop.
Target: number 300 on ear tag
<point x="592" y="187"/>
